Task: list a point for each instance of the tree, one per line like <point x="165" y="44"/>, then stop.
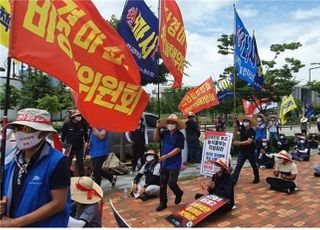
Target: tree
<point x="14" y="96"/>
<point x="49" y="103"/>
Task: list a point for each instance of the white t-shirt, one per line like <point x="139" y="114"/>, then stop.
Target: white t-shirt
<point x="288" y="169"/>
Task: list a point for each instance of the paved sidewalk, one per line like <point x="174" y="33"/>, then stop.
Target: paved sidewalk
<point x="257" y="205"/>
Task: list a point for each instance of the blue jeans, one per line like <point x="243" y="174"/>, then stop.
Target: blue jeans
<point x="242" y="157"/>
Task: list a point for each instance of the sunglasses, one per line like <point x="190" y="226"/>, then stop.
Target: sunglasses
<point x="24" y="128"/>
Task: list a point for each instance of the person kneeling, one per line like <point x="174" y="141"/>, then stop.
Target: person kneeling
<point x="287" y="171"/>
<point x="146" y="184"/>
<point x="221" y="185"/>
<point x="86" y="211"/>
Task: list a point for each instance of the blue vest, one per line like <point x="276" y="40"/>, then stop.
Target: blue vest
<point x="36" y="189"/>
<point x="98" y="147"/>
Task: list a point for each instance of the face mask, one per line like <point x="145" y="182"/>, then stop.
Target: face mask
<point x="281" y="137"/>
<point x="246" y="124"/>
<point x="78" y="118"/>
<point x="264" y="144"/>
<point x="27" y="140"/>
<point x="216" y="169"/>
<point x="149" y="158"/>
<point x="171" y="127"/>
<point x="258" y="119"/>
<point x="302" y="141"/>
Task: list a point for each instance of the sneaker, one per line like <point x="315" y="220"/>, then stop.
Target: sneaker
<point x="114" y="180"/>
<point x="262" y="167"/>
<point x="178" y="198"/>
<point x="296" y="189"/>
<point x="144" y="198"/>
<point x="256" y="181"/>
<point x="288" y="191"/>
<point x="234" y="207"/>
<point x="161" y="207"/>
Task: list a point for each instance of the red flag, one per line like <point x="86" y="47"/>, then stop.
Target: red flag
<point x="202" y="97"/>
<point x="72" y="42"/>
<point x="172" y="40"/>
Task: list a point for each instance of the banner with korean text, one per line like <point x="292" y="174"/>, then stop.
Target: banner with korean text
<point x="202" y="97"/>
<point x="197" y="211"/>
<point x="139" y="29"/>
<point x="71" y="41"/>
<point x="5" y="18"/>
<point x="172" y="40"/>
<point x="216" y="145"/>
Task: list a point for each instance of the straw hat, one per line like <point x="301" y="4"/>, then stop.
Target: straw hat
<point x="223" y="163"/>
<point x="85" y="191"/>
<point x="302" y="137"/>
<point x="284" y="155"/>
<point x="273" y="116"/>
<point x="150" y="152"/>
<point x="260" y="115"/>
<point x="191" y="114"/>
<point x="303" y="120"/>
<point x="37" y="119"/>
<point x="172" y="117"/>
<point x="75" y="113"/>
<point x="245" y="117"/>
<point x="318" y="119"/>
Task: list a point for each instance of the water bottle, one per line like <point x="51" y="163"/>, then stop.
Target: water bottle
<point x="125" y="192"/>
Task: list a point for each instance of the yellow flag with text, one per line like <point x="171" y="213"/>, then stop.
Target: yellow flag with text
<point x="287" y="104"/>
<point x="5" y="16"/>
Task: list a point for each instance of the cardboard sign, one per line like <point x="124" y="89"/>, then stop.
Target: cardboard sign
<point x="197" y="211"/>
<point x="216" y="145"/>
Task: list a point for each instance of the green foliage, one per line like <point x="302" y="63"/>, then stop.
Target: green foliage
<point x="49" y="103"/>
<point x="64" y="96"/>
<point x="14" y="96"/>
<point x="315" y="86"/>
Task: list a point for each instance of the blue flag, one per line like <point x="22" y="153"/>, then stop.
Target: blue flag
<point x="224" y="88"/>
<point x="308" y="109"/>
<point x="139" y="29"/>
<point x="258" y="78"/>
<point x="245" y="61"/>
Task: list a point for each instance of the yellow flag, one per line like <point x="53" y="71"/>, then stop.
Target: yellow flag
<point x="5" y="17"/>
<point x="287" y="104"/>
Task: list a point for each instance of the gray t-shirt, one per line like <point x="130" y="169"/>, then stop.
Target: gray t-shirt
<point x="90" y="213"/>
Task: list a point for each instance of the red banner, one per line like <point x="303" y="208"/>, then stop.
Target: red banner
<point x="172" y="40"/>
<point x="197" y="211"/>
<point x="202" y="97"/>
<point x="71" y="41"/>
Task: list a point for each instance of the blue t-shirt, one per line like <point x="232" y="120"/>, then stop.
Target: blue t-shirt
<point x="98" y="147"/>
<point x="261" y="131"/>
<point x="170" y="142"/>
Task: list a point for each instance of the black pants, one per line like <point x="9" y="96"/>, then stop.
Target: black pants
<point x="137" y="153"/>
<point x="97" y="163"/>
<point x="169" y="177"/>
<point x="79" y="158"/>
<point x="280" y="185"/>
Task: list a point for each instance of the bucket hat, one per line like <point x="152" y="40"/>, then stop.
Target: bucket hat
<point x="284" y="155"/>
<point x="250" y="119"/>
<point x="180" y="125"/>
<point x="85" y="191"/>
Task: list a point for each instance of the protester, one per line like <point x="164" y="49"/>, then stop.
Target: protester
<point x="318" y="124"/>
<point x="220" y="124"/>
<point x="246" y="148"/>
<point x="302" y="150"/>
<point x="37" y="179"/>
<point x="265" y="158"/>
<point x="312" y="141"/>
<point x="146" y="183"/>
<point x="260" y="132"/>
<point x="285" y="173"/>
<point x="193" y="133"/>
<point x="88" y="202"/>
<point x="221" y="185"/>
<point x="75" y="133"/>
<point x="139" y="140"/>
<point x="282" y="143"/>
<point x="99" y="150"/>
<point x="304" y="125"/>
<point x="170" y="157"/>
<point x="273" y="127"/>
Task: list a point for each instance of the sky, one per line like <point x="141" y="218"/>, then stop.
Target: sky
<point x="274" y="22"/>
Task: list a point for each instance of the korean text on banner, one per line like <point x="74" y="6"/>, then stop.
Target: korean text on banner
<point x="287" y="104"/>
<point x="139" y="29"/>
<point x="202" y="97"/>
<point x="71" y="41"/>
<point x="5" y="18"/>
<point x="172" y="41"/>
<point x="216" y="145"/>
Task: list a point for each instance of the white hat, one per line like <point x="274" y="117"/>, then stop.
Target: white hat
<point x="85" y="191"/>
<point x="172" y="117"/>
<point x="303" y="120"/>
<point x="250" y="119"/>
<point x="284" y="155"/>
<point x="35" y="118"/>
<point x="318" y="119"/>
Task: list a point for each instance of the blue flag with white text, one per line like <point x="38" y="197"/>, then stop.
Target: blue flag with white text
<point x="139" y="29"/>
<point x="308" y="109"/>
<point x="245" y="61"/>
<point x="258" y="78"/>
<point x="224" y="88"/>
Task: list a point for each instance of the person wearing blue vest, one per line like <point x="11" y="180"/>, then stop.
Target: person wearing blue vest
<point x="170" y="157"/>
<point x="37" y="178"/>
<point x="261" y="129"/>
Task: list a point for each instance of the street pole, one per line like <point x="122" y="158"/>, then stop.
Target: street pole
<point x="317" y="67"/>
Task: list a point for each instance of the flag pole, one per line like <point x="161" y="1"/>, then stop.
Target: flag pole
<point x="234" y="61"/>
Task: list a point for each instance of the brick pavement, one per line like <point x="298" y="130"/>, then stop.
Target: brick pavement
<point x="257" y="205"/>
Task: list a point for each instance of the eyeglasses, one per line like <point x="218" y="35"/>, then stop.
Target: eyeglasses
<point x="24" y="128"/>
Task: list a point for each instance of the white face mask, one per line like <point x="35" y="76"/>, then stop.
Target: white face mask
<point x="27" y="140"/>
<point x="149" y="158"/>
<point x="258" y="119"/>
<point x="171" y="127"/>
<point x="302" y="141"/>
<point x="264" y="143"/>
<point x="216" y="169"/>
<point x="246" y="124"/>
<point x="78" y="118"/>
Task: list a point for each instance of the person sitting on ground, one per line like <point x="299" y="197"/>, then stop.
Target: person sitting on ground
<point x="282" y="143"/>
<point x="301" y="151"/>
<point x="86" y="211"/>
<point x="312" y="141"/>
<point x="265" y="159"/>
<point x="285" y="173"/>
<point x="221" y="185"/>
<point x="146" y="184"/>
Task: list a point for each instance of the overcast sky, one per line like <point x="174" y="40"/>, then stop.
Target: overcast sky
<point x="281" y="21"/>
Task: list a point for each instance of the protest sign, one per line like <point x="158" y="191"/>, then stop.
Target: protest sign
<point x="216" y="145"/>
<point x="197" y="211"/>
